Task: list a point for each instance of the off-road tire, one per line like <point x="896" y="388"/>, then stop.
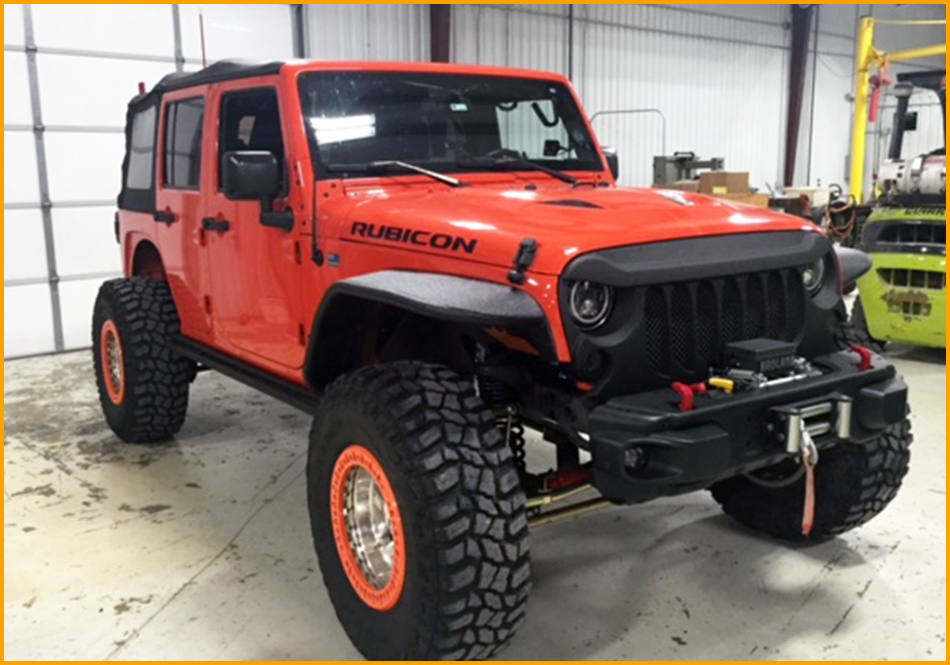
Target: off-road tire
<point x="155" y="379"/>
<point x="461" y="506"/>
<point x="853" y="481"/>
<point x="859" y="331"/>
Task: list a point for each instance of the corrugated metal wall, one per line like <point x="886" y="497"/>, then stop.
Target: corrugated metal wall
<point x="717" y="76"/>
<point x="368" y="32"/>
<point x="824" y="145"/>
<point x="720" y="82"/>
<point x="69" y="72"/>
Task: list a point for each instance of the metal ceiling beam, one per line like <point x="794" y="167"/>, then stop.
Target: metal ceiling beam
<point x="440" y="29"/>
<point x="801" y="28"/>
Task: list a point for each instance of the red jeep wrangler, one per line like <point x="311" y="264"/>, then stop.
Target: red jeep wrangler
<point x="430" y="258"/>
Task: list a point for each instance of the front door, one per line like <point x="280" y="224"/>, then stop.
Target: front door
<point x="255" y="269"/>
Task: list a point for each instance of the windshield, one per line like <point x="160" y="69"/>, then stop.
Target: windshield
<point x="442" y="122"/>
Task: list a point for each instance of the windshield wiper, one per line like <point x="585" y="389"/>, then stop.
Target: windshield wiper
<point x="389" y="165"/>
<point x="507" y="159"/>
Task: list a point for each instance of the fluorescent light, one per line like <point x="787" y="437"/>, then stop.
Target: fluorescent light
<point x="345" y="128"/>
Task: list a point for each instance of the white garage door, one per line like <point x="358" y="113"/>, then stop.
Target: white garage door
<point x="69" y="71"/>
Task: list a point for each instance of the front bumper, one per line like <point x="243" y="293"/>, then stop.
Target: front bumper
<point x="726" y="435"/>
<point x="904" y="298"/>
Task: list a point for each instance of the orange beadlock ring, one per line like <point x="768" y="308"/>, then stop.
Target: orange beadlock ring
<point x="352" y="458"/>
<point x="110" y="333"/>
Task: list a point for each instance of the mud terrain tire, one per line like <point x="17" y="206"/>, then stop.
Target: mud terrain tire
<point x="144" y="394"/>
<point x="853" y="481"/>
<point x="451" y="480"/>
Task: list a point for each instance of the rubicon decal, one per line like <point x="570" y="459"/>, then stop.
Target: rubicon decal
<point x="398" y="234"/>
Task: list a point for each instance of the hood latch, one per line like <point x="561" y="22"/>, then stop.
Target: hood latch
<point x="523" y="260"/>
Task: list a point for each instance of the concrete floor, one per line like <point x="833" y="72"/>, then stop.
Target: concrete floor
<point x="200" y="549"/>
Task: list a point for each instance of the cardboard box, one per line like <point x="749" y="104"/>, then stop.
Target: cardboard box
<point x="758" y="200"/>
<point x="724" y="182"/>
<point x="682" y="185"/>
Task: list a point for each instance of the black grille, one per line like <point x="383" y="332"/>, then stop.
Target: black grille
<point x="909" y="233"/>
<point x="917" y="279"/>
<point x="686" y="325"/>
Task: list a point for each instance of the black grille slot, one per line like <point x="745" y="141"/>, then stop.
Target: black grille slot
<point x="685" y="325"/>
<point x="681" y="331"/>
<point x="657" y="331"/>
<point x="707" y="320"/>
<point x="775" y="306"/>
<point x="754" y="307"/>
<point x="731" y="312"/>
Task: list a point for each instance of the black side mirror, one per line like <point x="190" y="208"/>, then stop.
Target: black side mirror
<point x="249" y="174"/>
<point x="254" y="174"/>
<point x="613" y="163"/>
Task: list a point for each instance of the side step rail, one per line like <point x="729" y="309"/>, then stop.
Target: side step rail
<point x="290" y="393"/>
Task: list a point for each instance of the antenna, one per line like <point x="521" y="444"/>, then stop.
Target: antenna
<point x="201" y="31"/>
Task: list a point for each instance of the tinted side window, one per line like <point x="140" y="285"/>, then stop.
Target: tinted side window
<point x="141" y="150"/>
<point x="183" y="122"/>
<point x="250" y="120"/>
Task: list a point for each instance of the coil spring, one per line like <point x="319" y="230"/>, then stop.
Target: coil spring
<point x="514" y="432"/>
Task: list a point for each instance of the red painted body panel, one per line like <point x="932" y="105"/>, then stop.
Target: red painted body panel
<point x="182" y="244"/>
<point x="263" y="299"/>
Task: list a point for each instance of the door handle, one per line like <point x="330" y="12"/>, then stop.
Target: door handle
<point x="164" y="216"/>
<point x="212" y="224"/>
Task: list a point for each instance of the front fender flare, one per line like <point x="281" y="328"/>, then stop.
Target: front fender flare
<point x="445" y="298"/>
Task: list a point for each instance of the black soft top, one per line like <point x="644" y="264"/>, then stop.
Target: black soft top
<point x="223" y="70"/>
<point x="142" y="199"/>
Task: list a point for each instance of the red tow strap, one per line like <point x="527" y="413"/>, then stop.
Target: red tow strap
<point x="808" y="511"/>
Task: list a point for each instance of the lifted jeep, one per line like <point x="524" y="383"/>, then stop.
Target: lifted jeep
<point x="431" y="258"/>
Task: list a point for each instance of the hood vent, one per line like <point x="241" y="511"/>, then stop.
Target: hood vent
<point x="571" y="203"/>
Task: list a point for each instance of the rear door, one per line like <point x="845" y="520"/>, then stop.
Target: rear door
<point x="178" y="203"/>
<point x="255" y="269"/>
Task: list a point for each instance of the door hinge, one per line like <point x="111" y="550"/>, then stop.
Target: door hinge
<point x="207" y="305"/>
<point x="301" y="335"/>
<point x="298" y="258"/>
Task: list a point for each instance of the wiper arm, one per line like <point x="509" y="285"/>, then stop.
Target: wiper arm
<point x="389" y="165"/>
<point x="512" y="160"/>
<point x="396" y="164"/>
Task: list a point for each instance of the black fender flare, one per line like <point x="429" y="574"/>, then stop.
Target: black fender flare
<point x="854" y="264"/>
<point x="445" y="298"/>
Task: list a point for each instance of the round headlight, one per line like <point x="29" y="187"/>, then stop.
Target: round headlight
<point x="590" y="303"/>
<point x="814" y="276"/>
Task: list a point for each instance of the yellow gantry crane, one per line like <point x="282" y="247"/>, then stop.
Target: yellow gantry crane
<point x="869" y="58"/>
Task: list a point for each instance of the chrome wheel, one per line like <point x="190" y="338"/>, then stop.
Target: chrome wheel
<point x="114" y="361"/>
<point x="369" y="527"/>
<point x="113" y="367"/>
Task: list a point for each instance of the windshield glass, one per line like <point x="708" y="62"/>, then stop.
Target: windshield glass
<point x="442" y="122"/>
